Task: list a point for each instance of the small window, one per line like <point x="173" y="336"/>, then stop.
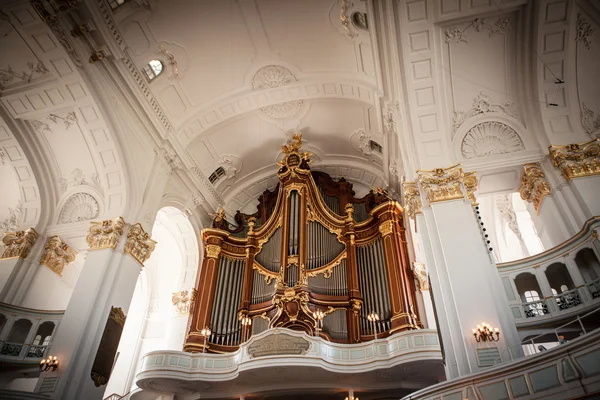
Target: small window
<point x="563" y="288"/>
<point x="375" y="146"/>
<point x="116" y="3"/>
<point x="153" y="69"/>
<point x="46" y="341"/>
<point x="37" y="340"/>
<point x="215" y="176"/>
<point x="531" y="295"/>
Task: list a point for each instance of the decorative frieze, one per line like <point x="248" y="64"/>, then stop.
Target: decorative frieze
<point x="139" y="245"/>
<point x="584" y="31"/>
<point x="18" y="244"/>
<point x="534" y="186"/>
<point x="443" y="184"/>
<point x="183" y="301"/>
<point x="105" y="234"/>
<point x="577" y="160"/>
<point x="57" y="254"/>
<point x="412" y="199"/>
<point x="420" y="273"/>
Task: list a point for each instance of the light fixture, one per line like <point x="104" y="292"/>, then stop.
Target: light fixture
<point x="319" y="315"/>
<point x="351" y="398"/>
<point x="246" y="321"/>
<point x="486" y="333"/>
<point x="373" y="318"/>
<point x="206" y="333"/>
<point x="49" y="363"/>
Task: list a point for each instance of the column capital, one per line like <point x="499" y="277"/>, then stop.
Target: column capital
<point x="420" y="272"/>
<point x="183" y="301"/>
<point x="139" y="245"/>
<point x="105" y="234"/>
<point x="19" y="243"/>
<point x="534" y="186"/>
<point x="412" y="199"/>
<point x="443" y="184"/>
<point x="578" y="159"/>
<point x="213" y="250"/>
<point x="57" y="254"/>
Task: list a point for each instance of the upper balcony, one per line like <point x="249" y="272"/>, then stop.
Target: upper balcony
<point x="557" y="284"/>
<point x="26" y="334"/>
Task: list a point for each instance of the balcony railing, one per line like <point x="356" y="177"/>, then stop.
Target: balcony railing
<point x="594" y="288"/>
<point x="22" y="351"/>
<point x="535" y="308"/>
<point x="568" y="299"/>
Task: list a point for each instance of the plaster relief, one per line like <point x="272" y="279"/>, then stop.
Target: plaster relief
<point x="483" y="104"/>
<point x="278" y="344"/>
<point x="273" y="76"/>
<point x="79" y="207"/>
<point x="459" y="35"/>
<point x="490" y="138"/>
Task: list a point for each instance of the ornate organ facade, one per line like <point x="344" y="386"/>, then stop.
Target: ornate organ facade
<point x="311" y="246"/>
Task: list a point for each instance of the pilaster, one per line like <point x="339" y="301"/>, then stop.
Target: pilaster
<point x="18" y="245"/>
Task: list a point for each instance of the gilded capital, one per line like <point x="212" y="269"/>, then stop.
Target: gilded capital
<point x="356" y="305"/>
<point x="442" y="184"/>
<point x="18" y="244"/>
<point x="420" y="273"/>
<point x="105" y="234"/>
<point x="57" y="254"/>
<point x="534" y="186"/>
<point x="386" y="227"/>
<point x="213" y="250"/>
<point x="183" y="301"/>
<point x="139" y="245"/>
<point x="412" y="199"/>
<point x="577" y="160"/>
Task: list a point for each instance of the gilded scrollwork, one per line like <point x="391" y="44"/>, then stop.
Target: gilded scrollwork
<point x="268" y="275"/>
<point x="18" y="244"/>
<point x="105" y="234"/>
<point x="213" y="250"/>
<point x="57" y="254"/>
<point x="578" y="159"/>
<point x="421" y="274"/>
<point x="356" y="306"/>
<point x="412" y="199"/>
<point x="139" y="245"/>
<point x="534" y="186"/>
<point x="442" y="184"/>
<point x="288" y="296"/>
<point x="386" y="227"/>
<point x="183" y="300"/>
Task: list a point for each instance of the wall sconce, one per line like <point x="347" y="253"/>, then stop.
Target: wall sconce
<point x="318" y="315"/>
<point x="206" y="333"/>
<point x="373" y="318"/>
<point x="48" y="363"/>
<point x="486" y="333"/>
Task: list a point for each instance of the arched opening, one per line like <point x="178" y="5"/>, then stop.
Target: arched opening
<point x="531" y="295"/>
<point x="41" y="340"/>
<point x="562" y="286"/>
<point x="16" y="338"/>
<point x="589" y="266"/>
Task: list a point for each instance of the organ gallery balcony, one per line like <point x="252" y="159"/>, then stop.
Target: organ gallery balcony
<point x="557" y="284"/>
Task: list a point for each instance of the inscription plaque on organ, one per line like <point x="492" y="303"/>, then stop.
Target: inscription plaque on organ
<point x="311" y="246"/>
<point x="278" y="344"/>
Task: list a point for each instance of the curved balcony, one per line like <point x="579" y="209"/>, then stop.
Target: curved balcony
<point x="26" y="334"/>
<point x="568" y="371"/>
<point x="411" y="360"/>
<point x="557" y="284"/>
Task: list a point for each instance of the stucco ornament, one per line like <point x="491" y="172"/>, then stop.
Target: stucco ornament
<point x="57" y="254"/>
<point x="139" y="245"/>
<point x="105" y="234"/>
<point x="483" y="104"/>
<point x="459" y="35"/>
<point x="79" y="207"/>
<point x="18" y="244"/>
<point x="584" y="31"/>
<point x="412" y="199"/>
<point x="590" y="121"/>
<point x="12" y="222"/>
<point x="490" y="138"/>
<point x="534" y="186"/>
<point x="578" y="159"/>
<point x="273" y="76"/>
<point x="421" y="274"/>
<point x="183" y="300"/>
<point x="442" y="184"/>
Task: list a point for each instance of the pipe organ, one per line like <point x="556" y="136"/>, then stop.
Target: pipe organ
<point x="311" y="246"/>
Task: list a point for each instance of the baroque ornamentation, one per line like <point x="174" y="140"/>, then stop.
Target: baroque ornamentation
<point x="458" y="35"/>
<point x="584" y="31"/>
<point x="105" y="234"/>
<point x="483" y="104"/>
<point x="442" y="184"/>
<point x="8" y="75"/>
<point x="213" y="251"/>
<point x="273" y="76"/>
<point x="79" y="207"/>
<point x="590" y="121"/>
<point x="171" y="60"/>
<point x="420" y="273"/>
<point x="412" y="199"/>
<point x="578" y="159"/>
<point x="68" y="120"/>
<point x="183" y="300"/>
<point x="386" y="227"/>
<point x="57" y="254"/>
<point x="139" y="245"/>
<point x="534" y="186"/>
<point x="14" y="219"/>
<point x="169" y="160"/>
<point x="490" y="138"/>
<point x="231" y="165"/>
<point x="504" y="204"/>
<point x="278" y="344"/>
<point x="18" y="244"/>
<point x="78" y="177"/>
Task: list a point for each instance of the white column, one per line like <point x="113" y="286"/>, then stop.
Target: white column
<point x="586" y="190"/>
<point x="17" y="256"/>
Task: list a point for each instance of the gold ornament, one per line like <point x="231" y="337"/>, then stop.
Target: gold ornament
<point x="442" y="184"/>
<point x="105" y="234"/>
<point x="577" y="160"/>
<point x="57" y="254"/>
<point x="534" y="186"/>
<point x="421" y="274"/>
<point x="139" y="245"/>
<point x="412" y="199"/>
<point x="18" y="244"/>
<point x="183" y="300"/>
<point x="386" y="227"/>
<point x="213" y="250"/>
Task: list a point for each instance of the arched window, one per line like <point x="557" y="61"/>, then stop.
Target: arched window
<point x="531" y="295"/>
<point x="116" y="3"/>
<point x="153" y="69"/>
<point x="46" y="341"/>
<point x="563" y="288"/>
<point x="37" y="340"/>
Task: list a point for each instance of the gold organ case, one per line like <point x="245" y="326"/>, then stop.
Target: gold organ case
<point x="311" y="246"/>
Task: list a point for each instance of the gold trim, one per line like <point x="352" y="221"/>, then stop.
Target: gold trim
<point x="534" y="186"/>
<point x="19" y="243"/>
<point x="577" y="160"/>
<point x="269" y="276"/>
<point x="139" y="245"/>
<point x="443" y="184"/>
<point x="386" y="227"/>
<point x="57" y="254"/>
<point x="327" y="269"/>
<point x="412" y="199"/>
<point x="105" y="234"/>
<point x="213" y="251"/>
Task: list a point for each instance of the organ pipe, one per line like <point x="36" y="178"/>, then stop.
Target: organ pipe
<point x="301" y="255"/>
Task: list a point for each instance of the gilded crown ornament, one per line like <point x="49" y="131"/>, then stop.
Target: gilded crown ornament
<point x="57" y="254"/>
<point x="18" y="244"/>
<point x="534" y="186"/>
<point x="443" y="184"/>
<point x="293" y="158"/>
<point x="139" y="245"/>
<point x="105" y="234"/>
<point x="577" y="160"/>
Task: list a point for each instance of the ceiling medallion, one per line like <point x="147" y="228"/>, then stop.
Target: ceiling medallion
<point x="273" y="76"/>
<point x="489" y="139"/>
